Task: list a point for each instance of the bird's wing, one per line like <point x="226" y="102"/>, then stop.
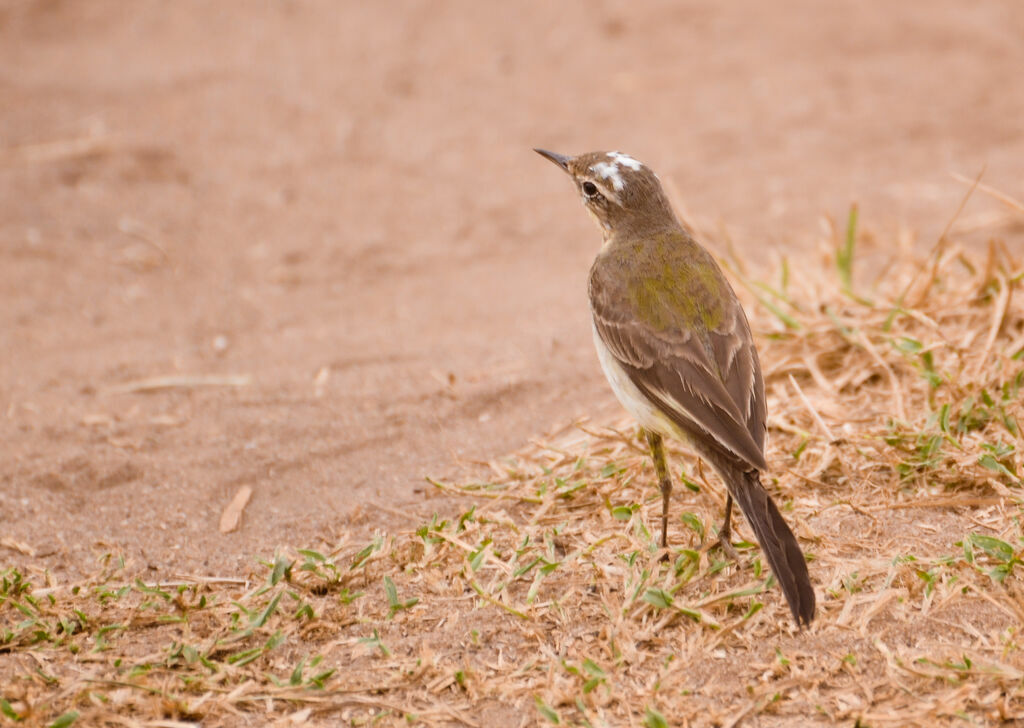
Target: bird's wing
<point x="685" y="343"/>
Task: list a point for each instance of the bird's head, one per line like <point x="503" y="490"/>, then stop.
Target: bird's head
<point x="619" y="192"/>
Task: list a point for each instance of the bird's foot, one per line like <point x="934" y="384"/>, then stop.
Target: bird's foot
<point x="666" y="552"/>
<point x="725" y="543"/>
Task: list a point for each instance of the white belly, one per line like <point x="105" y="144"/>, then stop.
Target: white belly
<point x="630" y="396"/>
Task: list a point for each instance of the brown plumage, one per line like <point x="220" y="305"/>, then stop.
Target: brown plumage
<point x="677" y="349"/>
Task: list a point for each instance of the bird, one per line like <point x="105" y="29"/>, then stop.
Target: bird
<point x="674" y="342"/>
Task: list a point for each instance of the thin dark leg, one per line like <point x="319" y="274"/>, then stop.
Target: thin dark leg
<point x="725" y="532"/>
<point x="664" y="480"/>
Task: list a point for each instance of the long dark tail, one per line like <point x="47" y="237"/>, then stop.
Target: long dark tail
<point x="777" y="542"/>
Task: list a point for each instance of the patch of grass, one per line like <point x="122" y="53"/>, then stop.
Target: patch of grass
<point x="894" y="450"/>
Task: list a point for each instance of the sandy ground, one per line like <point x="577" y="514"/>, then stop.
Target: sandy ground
<point x="337" y="202"/>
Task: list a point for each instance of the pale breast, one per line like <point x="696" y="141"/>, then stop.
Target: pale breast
<point x="635" y="402"/>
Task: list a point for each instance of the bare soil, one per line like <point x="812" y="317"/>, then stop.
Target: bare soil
<point x="325" y="222"/>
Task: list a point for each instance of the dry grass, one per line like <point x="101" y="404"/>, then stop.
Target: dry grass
<point x="894" y="451"/>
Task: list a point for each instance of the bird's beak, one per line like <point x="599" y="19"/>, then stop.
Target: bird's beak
<point x="560" y="159"/>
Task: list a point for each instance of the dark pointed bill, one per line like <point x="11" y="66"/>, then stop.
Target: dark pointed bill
<point x="560" y="159"/>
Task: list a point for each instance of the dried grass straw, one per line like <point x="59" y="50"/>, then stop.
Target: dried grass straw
<point x="894" y="451"/>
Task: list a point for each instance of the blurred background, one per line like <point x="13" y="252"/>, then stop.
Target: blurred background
<point x="321" y="226"/>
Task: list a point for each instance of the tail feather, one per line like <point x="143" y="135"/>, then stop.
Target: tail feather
<point x="777" y="541"/>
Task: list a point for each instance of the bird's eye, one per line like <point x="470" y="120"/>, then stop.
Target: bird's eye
<point x="590" y="189"/>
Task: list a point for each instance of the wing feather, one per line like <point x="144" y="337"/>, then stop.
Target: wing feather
<point x="706" y="379"/>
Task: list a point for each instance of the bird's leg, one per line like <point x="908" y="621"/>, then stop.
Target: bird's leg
<point x="664" y="480"/>
<point x="725" y="532"/>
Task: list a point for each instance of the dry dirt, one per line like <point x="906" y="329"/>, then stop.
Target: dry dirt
<point x="336" y="203"/>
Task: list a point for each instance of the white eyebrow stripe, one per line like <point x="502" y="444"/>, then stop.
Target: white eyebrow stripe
<point x="609" y="171"/>
<point x="625" y="160"/>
